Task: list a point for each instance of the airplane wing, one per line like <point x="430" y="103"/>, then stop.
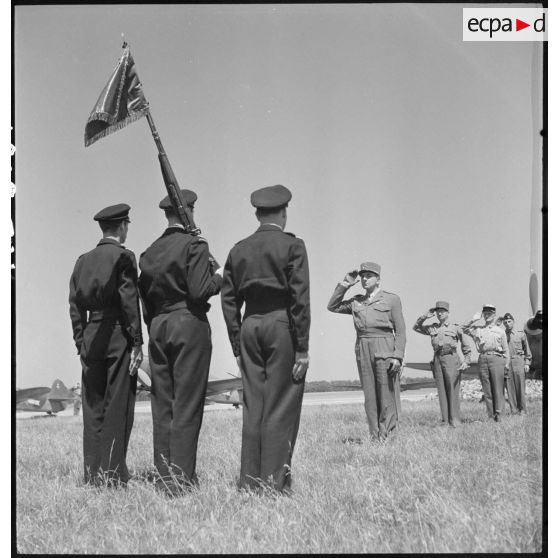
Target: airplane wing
<point x="30" y="393"/>
<point x="215" y="388"/>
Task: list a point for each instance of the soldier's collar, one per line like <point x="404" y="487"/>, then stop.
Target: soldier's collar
<point x="171" y="230"/>
<point x="269" y="227"/>
<point x="109" y="241"/>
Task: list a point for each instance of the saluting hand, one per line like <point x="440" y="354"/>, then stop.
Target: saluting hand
<point x="135" y="360"/>
<point x="300" y="367"/>
<point x="351" y="278"/>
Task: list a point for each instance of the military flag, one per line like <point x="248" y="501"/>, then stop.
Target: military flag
<point x="120" y="103"/>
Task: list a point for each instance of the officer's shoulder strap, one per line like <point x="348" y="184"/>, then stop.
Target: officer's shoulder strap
<point x="290" y="234"/>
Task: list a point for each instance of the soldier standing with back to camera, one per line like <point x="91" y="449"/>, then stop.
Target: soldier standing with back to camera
<point x="268" y="272"/>
<point x="494" y="359"/>
<point x="104" y="309"/>
<point x="445" y="338"/>
<point x="175" y="283"/>
<point x="380" y="345"/>
<point x="520" y="362"/>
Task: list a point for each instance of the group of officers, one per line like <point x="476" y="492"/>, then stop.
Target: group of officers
<point x="267" y="275"/>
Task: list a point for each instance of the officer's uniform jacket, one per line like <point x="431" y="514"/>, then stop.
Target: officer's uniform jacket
<point x="379" y="316"/>
<point x="105" y="280"/>
<point x="175" y="274"/>
<point x="267" y="270"/>
<point x="444" y="337"/>
<point x="490" y="339"/>
<point x="518" y="345"/>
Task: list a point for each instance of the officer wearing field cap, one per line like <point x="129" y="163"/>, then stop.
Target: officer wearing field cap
<point x="268" y="273"/>
<point x="380" y="346"/>
<point x="520" y="361"/>
<point x="446" y="366"/>
<point x="105" y="315"/>
<point x="175" y="283"/>
<point x="494" y="358"/>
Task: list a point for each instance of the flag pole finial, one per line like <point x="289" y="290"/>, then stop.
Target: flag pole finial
<point x="124" y="42"/>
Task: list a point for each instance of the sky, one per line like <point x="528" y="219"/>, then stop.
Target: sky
<point x="401" y="144"/>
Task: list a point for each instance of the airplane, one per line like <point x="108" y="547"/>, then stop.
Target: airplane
<point x="43" y="399"/>
<point x="227" y="391"/>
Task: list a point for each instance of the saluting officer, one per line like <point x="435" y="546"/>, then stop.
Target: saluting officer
<point x="494" y="359"/>
<point x="445" y="337"/>
<point x="104" y="309"/>
<point x="520" y="362"/>
<point x="380" y="345"/>
<point x="268" y="272"/>
<point x="175" y="283"/>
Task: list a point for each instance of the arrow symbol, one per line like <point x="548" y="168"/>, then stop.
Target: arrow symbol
<point x="519" y="25"/>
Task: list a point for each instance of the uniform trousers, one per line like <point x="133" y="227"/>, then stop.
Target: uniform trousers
<point x="179" y="356"/>
<point x="272" y="401"/>
<point x="381" y="390"/>
<point x="448" y="383"/>
<point x="108" y="400"/>
<point x="492" y="380"/>
<point x="515" y="384"/>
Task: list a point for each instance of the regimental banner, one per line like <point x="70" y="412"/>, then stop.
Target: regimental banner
<point x="505" y="24"/>
<point x="120" y="103"/>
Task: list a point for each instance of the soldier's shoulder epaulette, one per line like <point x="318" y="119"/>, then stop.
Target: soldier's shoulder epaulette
<point x="389" y="293"/>
<point x="290" y="234"/>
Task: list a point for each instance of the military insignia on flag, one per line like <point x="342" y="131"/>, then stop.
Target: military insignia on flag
<point x="120" y="103"/>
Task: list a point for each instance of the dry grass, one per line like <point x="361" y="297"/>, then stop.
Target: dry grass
<point x="429" y="489"/>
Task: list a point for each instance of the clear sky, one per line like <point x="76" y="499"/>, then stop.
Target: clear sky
<point x="401" y="143"/>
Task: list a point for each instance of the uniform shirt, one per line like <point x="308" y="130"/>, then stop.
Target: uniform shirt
<point x="105" y="278"/>
<point x="268" y="270"/>
<point x="490" y="338"/>
<point x="518" y="346"/>
<point x="175" y="268"/>
<point x="444" y="336"/>
<point x="378" y="316"/>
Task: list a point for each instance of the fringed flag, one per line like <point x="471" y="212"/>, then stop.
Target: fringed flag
<point x="120" y="103"/>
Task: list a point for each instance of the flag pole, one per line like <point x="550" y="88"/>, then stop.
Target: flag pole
<point x="183" y="212"/>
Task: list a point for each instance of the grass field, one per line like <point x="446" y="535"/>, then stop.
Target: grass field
<point x="430" y="488"/>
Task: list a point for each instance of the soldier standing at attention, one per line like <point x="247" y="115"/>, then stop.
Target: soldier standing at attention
<point x="175" y="283"/>
<point x="268" y="272"/>
<point x="380" y="345"/>
<point x="445" y="337"/>
<point x="494" y="359"/>
<point x="105" y="314"/>
<point x="520" y="361"/>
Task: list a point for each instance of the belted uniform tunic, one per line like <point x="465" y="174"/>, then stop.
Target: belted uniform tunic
<point x="520" y="356"/>
<point x="268" y="272"/>
<point x="175" y="283"/>
<point x="105" y="314"/>
<point x="380" y="329"/>
<point x="445" y="338"/>
<point x="494" y="355"/>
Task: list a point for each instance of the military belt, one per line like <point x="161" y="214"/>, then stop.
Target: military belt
<point x="444" y="352"/>
<point x="107" y="314"/>
<point x="492" y="353"/>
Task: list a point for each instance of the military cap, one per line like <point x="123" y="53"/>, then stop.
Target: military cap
<point x="118" y="212"/>
<point x="188" y="197"/>
<point x="369" y="266"/>
<point x="271" y="197"/>
<point x="489" y="307"/>
<point x="508" y="316"/>
<point x="442" y="304"/>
